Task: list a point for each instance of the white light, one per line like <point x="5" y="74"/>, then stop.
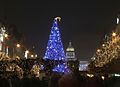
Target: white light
<point x="103" y="77"/>
<point x="38" y="72"/>
<point x="117" y="20"/>
<point x="117" y="75"/>
<point x="58" y="66"/>
<point x="18" y="45"/>
<point x="93" y="58"/>
<point x="32" y="56"/>
<point x="56" y="28"/>
<point x="90" y="75"/>
<point x="103" y="45"/>
<point x="36" y="55"/>
<point x="26" y="53"/>
<point x="114" y="34"/>
<point x="6" y="35"/>
<point x="98" y="50"/>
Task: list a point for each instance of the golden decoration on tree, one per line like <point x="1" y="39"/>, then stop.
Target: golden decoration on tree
<point x="109" y="50"/>
<point x="35" y="70"/>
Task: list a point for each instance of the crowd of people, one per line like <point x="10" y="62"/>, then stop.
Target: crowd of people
<point x="58" y="80"/>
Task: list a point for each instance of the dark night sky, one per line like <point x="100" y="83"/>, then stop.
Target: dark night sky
<point x="84" y="22"/>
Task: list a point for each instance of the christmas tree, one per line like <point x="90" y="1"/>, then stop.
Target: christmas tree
<point x="55" y="49"/>
<point x="110" y="49"/>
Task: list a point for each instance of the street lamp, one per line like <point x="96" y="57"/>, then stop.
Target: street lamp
<point x="18" y="50"/>
<point x="5" y="43"/>
<point x="26" y="54"/>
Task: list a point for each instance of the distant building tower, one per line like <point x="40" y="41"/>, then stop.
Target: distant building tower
<point x="70" y="53"/>
<point x="71" y="59"/>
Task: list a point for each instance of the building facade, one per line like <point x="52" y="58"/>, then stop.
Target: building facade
<point x="83" y="65"/>
<point x="71" y="59"/>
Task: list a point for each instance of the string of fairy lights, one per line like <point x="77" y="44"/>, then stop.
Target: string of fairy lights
<point x="9" y="58"/>
<point x="109" y="50"/>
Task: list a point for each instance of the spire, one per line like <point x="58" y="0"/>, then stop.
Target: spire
<point x="70" y="48"/>
<point x="70" y="44"/>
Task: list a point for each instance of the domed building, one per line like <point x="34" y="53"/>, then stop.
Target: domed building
<point x="71" y="59"/>
<point x="70" y="53"/>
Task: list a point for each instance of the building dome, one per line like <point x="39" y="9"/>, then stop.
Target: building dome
<point x="70" y="48"/>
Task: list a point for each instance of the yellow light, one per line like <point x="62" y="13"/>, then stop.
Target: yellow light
<point x="90" y="75"/>
<point x="27" y="51"/>
<point x="98" y="50"/>
<point x="26" y="54"/>
<point x="18" y="45"/>
<point x="103" y="77"/>
<point x="103" y="45"/>
<point x="70" y="49"/>
<point x="114" y="34"/>
<point x="117" y="20"/>
<point x="6" y="35"/>
<point x="32" y="56"/>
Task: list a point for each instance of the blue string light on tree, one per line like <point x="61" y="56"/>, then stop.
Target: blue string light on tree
<point x="55" y="49"/>
<point x="61" y="68"/>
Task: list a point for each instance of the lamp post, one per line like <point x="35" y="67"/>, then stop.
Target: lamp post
<point x="5" y="44"/>
<point x="18" y="50"/>
<point x="26" y="54"/>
